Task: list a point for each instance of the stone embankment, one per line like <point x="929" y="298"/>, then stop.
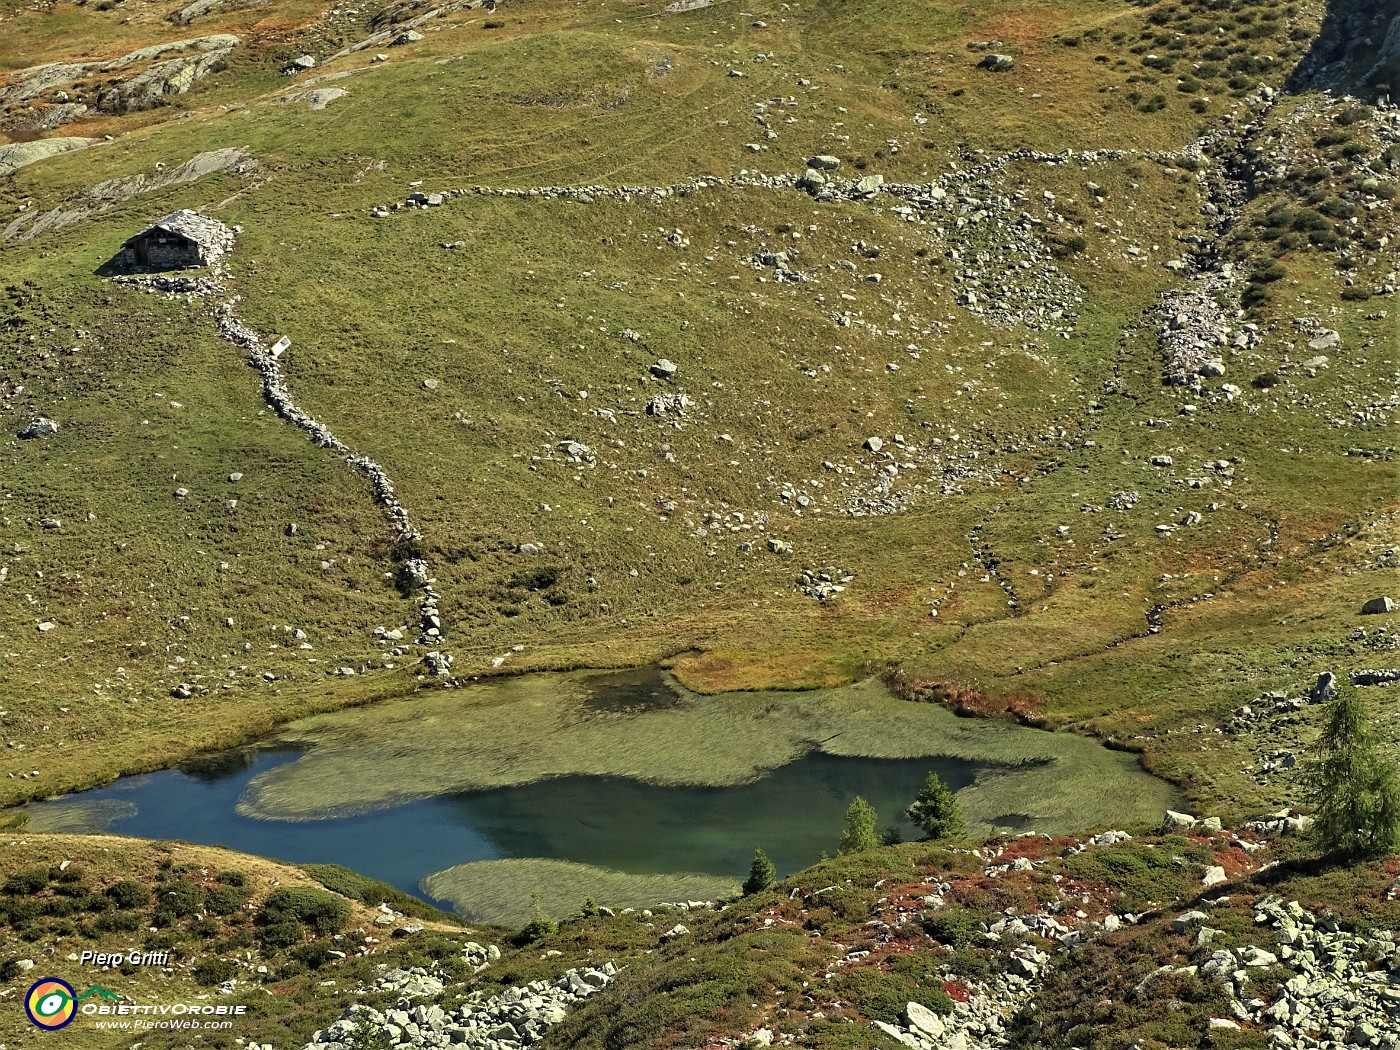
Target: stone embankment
<point x="275" y="390"/>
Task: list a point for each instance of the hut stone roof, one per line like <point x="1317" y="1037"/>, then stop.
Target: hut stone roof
<point x="210" y="234"/>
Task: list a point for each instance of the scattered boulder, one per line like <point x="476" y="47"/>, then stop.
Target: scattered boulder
<point x="1214" y="876"/>
<point x="411" y="36"/>
<point x="298" y="65"/>
<point x="669" y="405"/>
<point x="664" y="369"/>
<point x="1186" y="920"/>
<point x="1324" y="689"/>
<point x="997" y="63"/>
<point x="874" y="444"/>
<point x="824" y="162"/>
<point x="1373" y="607"/>
<point x="868" y="186"/>
<point x="40" y="427"/>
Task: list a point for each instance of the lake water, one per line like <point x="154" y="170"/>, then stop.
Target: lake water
<point x="794" y="813"/>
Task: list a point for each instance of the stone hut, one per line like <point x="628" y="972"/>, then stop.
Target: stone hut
<point x="180" y="241"/>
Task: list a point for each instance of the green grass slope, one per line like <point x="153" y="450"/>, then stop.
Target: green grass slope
<point x="1029" y="516"/>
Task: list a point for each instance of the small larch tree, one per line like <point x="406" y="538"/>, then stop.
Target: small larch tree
<point x="1354" y="787"/>
<point x="762" y="874"/>
<point x="936" y="810"/>
<point x="859" y="833"/>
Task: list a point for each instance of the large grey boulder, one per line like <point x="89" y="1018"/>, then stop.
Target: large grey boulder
<point x="925" y="1020"/>
<point x="997" y="63"/>
<point x="824" y="162"/>
<point x="1378" y="605"/>
<point x="38" y="427"/>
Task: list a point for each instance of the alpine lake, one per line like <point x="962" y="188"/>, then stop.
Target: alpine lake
<point x="624" y="786"/>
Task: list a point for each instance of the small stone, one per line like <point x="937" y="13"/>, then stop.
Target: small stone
<point x="1186" y="920"/>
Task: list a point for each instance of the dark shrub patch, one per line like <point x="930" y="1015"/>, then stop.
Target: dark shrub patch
<point x="129" y="894"/>
<point x="316" y="909"/>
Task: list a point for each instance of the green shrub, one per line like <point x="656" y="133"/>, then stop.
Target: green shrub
<point x="26" y="882"/>
<point x="312" y="908"/>
<point x="235" y="941"/>
<point x="280" y="935"/>
<point x="881" y="996"/>
<point x="19" y="912"/>
<point x="954" y="927"/>
<point x="369" y="891"/>
<point x="69" y="874"/>
<point x="536" y="929"/>
<point x="225" y="900"/>
<point x="181" y="898"/>
<point x="233" y="878"/>
<point x="129" y="894"/>
<point x="314" y="954"/>
<point x="118" y="922"/>
<point x="215" y="971"/>
<point x="9" y="970"/>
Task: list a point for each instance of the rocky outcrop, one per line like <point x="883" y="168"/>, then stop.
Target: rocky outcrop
<point x="30" y="99"/>
<point x="20" y="154"/>
<point x="1357" y="50"/>
<point x="402" y="28"/>
<point x="113" y="191"/>
<point x="173" y="76"/>
<point x="518" y="1016"/>
<point x="1343" y="989"/>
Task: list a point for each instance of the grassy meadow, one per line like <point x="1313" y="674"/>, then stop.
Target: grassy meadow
<point x="1018" y="445"/>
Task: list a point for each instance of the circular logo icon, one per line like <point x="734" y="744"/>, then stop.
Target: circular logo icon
<point x="51" y="1003"/>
